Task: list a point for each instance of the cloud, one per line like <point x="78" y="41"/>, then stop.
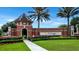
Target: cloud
<point x="9" y="20"/>
<point x="48" y="24"/>
<point x="5" y="18"/>
<point x="53" y="22"/>
<point x="58" y="23"/>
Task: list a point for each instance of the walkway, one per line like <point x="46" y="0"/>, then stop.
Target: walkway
<point x="33" y="46"/>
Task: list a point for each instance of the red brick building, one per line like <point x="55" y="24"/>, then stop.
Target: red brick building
<point x="24" y="27"/>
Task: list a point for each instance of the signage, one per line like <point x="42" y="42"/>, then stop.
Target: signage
<point x="50" y="33"/>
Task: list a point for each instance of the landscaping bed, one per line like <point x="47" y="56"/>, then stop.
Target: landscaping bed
<point x="59" y="45"/>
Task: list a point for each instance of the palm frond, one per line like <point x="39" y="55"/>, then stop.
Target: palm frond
<point x="31" y="12"/>
<point x="75" y="11"/>
<point x="61" y="14"/>
<point x="67" y="11"/>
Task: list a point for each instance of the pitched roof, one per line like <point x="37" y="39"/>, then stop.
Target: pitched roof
<point x="23" y="18"/>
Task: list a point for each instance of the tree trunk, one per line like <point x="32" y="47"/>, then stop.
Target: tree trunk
<point x="38" y="26"/>
<point x="68" y="28"/>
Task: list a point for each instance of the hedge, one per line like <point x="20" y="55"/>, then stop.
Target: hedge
<point x="53" y="38"/>
<point x="9" y="40"/>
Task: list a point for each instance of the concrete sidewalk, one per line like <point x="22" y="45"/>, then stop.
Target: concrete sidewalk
<point x="33" y="46"/>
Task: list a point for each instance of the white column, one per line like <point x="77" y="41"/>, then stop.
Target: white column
<point x="9" y="31"/>
<point x="17" y="24"/>
<point x="72" y="30"/>
<point x="77" y="28"/>
<point x="24" y="26"/>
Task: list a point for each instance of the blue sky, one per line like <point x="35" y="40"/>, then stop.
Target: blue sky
<point x="8" y="14"/>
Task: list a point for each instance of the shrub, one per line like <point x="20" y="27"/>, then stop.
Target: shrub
<point x="1" y="32"/>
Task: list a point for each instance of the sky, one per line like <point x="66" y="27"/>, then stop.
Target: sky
<point x="8" y="14"/>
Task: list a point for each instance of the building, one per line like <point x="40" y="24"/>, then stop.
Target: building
<point x="24" y="27"/>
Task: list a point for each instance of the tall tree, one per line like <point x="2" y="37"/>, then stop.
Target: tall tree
<point x="1" y="32"/>
<point x="74" y="21"/>
<point x="68" y="12"/>
<point x="4" y="28"/>
<point x="39" y="14"/>
<point x="62" y="26"/>
<point x="10" y="24"/>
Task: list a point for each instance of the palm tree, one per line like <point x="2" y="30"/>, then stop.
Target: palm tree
<point x="39" y="14"/>
<point x="68" y="12"/>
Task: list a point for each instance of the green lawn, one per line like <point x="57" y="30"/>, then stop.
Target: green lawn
<point x="19" y="46"/>
<point x="59" y="45"/>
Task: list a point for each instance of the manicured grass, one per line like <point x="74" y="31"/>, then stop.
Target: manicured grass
<point x="19" y="46"/>
<point x="59" y="45"/>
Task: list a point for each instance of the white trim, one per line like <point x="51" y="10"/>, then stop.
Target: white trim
<point x="25" y="25"/>
<point x="20" y="23"/>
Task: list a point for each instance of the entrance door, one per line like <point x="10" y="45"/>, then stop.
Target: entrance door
<point x="24" y="32"/>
